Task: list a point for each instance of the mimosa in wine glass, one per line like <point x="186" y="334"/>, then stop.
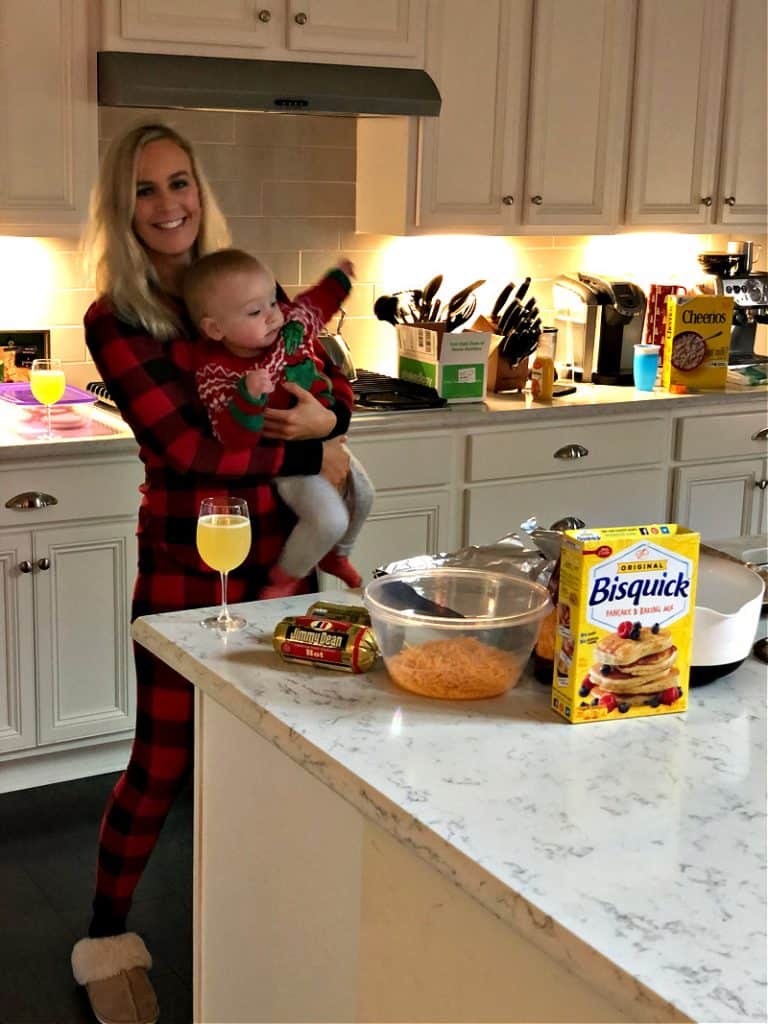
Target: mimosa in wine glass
<point x="223" y="542"/>
<point x="47" y="382"/>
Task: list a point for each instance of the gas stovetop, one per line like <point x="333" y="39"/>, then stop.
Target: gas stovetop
<point x="376" y="392"/>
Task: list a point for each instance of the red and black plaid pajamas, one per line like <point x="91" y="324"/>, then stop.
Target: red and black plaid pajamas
<point x="153" y="385"/>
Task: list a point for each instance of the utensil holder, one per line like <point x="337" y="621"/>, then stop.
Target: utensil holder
<point x="502" y="376"/>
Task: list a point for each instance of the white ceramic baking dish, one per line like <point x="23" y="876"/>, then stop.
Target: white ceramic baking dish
<point x="729" y="597"/>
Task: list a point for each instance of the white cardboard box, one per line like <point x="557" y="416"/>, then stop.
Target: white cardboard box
<point x="455" y="364"/>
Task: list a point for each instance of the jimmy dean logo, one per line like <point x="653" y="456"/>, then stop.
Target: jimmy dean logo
<point x="657" y="566"/>
<point x="315" y="637"/>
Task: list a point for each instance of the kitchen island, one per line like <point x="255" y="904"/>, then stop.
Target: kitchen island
<point x="365" y="854"/>
<point x="444" y="478"/>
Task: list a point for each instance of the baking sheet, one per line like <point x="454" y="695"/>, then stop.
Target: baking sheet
<point x="20" y="393"/>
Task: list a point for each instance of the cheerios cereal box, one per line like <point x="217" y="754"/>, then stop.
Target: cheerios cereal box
<point x="624" y="622"/>
<point x="697" y="341"/>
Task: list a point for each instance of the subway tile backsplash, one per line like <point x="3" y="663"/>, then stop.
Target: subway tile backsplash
<point x="286" y="183"/>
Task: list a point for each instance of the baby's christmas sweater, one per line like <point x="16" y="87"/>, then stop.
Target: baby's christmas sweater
<point x="236" y="417"/>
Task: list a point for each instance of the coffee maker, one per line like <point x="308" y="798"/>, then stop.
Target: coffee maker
<point x="599" y="322"/>
<point x="733" y="276"/>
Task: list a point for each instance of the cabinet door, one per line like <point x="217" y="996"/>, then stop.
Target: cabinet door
<point x="462" y="170"/>
<point x="17" y="654"/>
<point x="389" y="28"/>
<point x="578" y="116"/>
<point x="624" y="498"/>
<point x="471" y="156"/>
<point x="401" y="525"/>
<point x="47" y="116"/>
<point x="677" y="107"/>
<point x="226" y="22"/>
<point x="743" y="192"/>
<point x="722" y="500"/>
<point x="82" y="611"/>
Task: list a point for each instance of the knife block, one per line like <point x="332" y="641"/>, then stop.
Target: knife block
<point x="502" y="376"/>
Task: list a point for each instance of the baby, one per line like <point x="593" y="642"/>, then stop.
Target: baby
<point x="251" y="344"/>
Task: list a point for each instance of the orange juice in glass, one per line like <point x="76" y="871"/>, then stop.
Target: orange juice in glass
<point x="223" y="543"/>
<point x="47" y="382"/>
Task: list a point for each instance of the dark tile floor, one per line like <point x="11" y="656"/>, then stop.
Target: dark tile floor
<point x="48" y="840"/>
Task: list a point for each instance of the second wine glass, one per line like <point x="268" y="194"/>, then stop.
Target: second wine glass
<point x="223" y="543"/>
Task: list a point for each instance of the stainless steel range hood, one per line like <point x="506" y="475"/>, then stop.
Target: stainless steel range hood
<point x="226" y="83"/>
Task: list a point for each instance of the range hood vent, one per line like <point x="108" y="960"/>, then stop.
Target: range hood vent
<point x="169" y="81"/>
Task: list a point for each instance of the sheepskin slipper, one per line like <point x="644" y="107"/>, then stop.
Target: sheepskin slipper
<point x="114" y="972"/>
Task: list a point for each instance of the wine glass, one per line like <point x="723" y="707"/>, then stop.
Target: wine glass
<point x="223" y="543"/>
<point x="47" y="382"/>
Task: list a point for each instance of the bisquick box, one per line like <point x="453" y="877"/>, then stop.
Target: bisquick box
<point x="455" y="364"/>
<point x="624" y="622"/>
<point x="697" y="341"/>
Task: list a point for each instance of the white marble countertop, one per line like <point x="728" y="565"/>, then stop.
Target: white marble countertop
<point x="496" y="410"/>
<point x="633" y="853"/>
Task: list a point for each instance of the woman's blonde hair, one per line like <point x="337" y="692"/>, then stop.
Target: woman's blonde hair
<point x="118" y="263"/>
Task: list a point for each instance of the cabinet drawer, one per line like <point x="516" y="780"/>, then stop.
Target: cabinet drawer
<point x="87" y="490"/>
<point x="714" y="437"/>
<point x="574" y="447"/>
<point x="395" y="463"/>
<point x="601" y="499"/>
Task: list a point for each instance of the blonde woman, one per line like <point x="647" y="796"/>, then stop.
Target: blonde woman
<point x="152" y="213"/>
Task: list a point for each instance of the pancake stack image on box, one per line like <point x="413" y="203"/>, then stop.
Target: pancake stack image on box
<point x="635" y="665"/>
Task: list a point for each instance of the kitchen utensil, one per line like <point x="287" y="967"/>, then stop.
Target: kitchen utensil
<point x="728" y="601"/>
<point x="403" y="597"/>
<point x="720" y="264"/>
<point x="431" y="289"/>
<point x="478" y="656"/>
<point x="510" y="318"/>
<point x="501" y="301"/>
<point x="385" y="308"/>
<point x="400" y="307"/>
<point x="461" y="314"/>
<point x="337" y="350"/>
<point x="457" y="300"/>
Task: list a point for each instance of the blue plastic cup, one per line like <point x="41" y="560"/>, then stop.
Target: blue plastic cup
<point x="645" y="366"/>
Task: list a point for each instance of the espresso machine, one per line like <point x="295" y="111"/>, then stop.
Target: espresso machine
<point x="733" y="276"/>
<point x="750" y="308"/>
<point x="599" y="321"/>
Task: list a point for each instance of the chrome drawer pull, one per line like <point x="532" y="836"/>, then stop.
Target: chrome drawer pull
<point x="25" y="566"/>
<point x="761" y="435"/>
<point x="31" y="499"/>
<point x="571" y="451"/>
<point x="762" y="484"/>
<point x="44" y="563"/>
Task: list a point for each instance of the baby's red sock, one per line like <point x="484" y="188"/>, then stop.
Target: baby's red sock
<point x="341" y="567"/>
<point x="280" y="585"/>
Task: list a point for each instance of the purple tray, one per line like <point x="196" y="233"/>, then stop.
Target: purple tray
<point x="20" y="393"/>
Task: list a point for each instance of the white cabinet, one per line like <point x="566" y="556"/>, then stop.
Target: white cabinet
<point x="415" y="509"/>
<point x="578" y="115"/>
<point x="721" y="481"/>
<point x="742" y="196"/>
<point x="698" y="151"/>
<point x="722" y="500"/>
<point x="403" y="524"/>
<point x="271" y="29"/>
<point x="47" y="116"/>
<point x="472" y="168"/>
<point x="66" y="577"/>
<point x="610" y="472"/>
